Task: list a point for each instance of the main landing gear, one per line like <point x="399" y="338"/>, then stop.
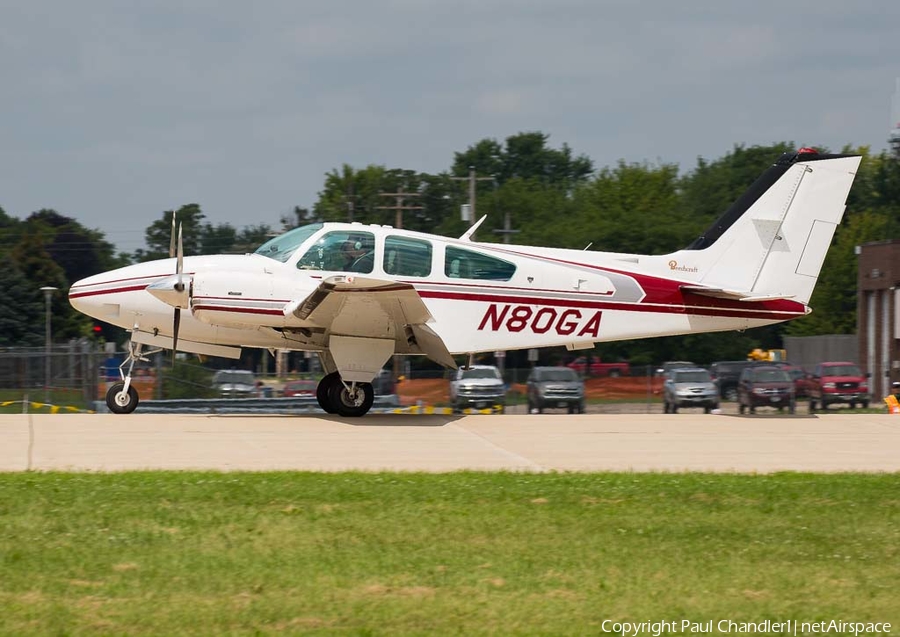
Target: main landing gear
<point x="122" y="398"/>
<point x="336" y="396"/>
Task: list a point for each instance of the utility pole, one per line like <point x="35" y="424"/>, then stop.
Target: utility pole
<point x="472" y="179"/>
<point x="48" y="295"/>
<point x="399" y="207"/>
<point x="350" y="201"/>
<point x="507" y="229"/>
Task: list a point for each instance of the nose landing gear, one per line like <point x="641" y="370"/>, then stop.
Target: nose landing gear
<point x="122" y="398"/>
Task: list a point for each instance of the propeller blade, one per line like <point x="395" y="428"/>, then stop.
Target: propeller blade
<point x="175" y="327"/>
<point x="179" y="262"/>
<point x="172" y="237"/>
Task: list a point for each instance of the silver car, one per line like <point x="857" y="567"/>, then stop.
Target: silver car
<point x="235" y="383"/>
<point x="478" y="386"/>
<point x="689" y="387"/>
<point x="550" y="387"/>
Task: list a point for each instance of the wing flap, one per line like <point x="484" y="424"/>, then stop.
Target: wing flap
<point x="373" y="308"/>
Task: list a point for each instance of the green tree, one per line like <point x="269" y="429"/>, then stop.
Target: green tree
<point x="80" y="252"/>
<point x="31" y="257"/>
<point x="633" y="208"/>
<point x="21" y="309"/>
<point x="524" y="156"/>
<point x="219" y="239"/>
<point x="159" y="234"/>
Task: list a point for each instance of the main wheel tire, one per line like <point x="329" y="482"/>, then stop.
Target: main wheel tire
<point x="865" y="404"/>
<point x="852" y="405"/>
<point x="741" y="408"/>
<point x="323" y="391"/>
<point x="120" y="402"/>
<point x="352" y="406"/>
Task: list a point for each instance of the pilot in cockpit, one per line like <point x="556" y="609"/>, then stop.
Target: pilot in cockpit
<point x="358" y="254"/>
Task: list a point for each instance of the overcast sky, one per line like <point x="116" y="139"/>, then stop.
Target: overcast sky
<point x="113" y="111"/>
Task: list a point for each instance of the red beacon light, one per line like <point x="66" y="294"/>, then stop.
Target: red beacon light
<point x="807" y="150"/>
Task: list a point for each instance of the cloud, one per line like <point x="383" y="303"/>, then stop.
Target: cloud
<point x="243" y="107"/>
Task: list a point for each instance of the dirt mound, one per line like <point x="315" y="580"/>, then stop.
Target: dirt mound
<point x="433" y="391"/>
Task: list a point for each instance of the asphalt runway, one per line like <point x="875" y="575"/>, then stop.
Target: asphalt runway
<point x="548" y="442"/>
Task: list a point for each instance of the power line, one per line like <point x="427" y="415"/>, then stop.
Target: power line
<point x="473" y="179"/>
<point x="399" y="207"/>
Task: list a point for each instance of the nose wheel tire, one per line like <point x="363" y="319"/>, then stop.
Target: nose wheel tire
<point x="121" y="402"/>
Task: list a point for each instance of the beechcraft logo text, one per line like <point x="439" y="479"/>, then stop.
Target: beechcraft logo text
<point x="673" y="265"/>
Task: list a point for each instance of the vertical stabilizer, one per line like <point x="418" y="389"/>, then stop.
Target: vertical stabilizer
<point x="772" y="242"/>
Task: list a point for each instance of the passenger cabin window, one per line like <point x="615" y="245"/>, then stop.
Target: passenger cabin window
<point x="407" y="257"/>
<point x="460" y="263"/>
<point x="341" y="251"/>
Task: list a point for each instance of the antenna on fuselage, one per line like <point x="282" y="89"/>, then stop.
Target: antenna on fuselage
<point x="467" y="235"/>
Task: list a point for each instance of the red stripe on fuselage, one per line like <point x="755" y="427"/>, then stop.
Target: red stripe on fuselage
<point x="776" y="310"/>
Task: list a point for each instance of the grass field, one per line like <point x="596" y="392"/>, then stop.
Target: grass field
<point x="463" y="553"/>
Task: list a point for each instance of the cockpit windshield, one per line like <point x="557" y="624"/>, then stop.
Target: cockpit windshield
<point x="283" y="246"/>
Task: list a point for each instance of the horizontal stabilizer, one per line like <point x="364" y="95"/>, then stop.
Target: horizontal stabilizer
<point x="734" y="295"/>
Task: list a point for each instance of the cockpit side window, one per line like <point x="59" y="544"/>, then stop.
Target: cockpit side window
<point x="467" y="264"/>
<point x="341" y="251"/>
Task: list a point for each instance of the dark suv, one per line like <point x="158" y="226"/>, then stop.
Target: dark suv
<point x="550" y="387"/>
<point x="766" y="386"/>
<point x="726" y="375"/>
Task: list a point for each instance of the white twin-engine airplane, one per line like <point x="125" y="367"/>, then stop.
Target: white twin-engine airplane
<point x="357" y="294"/>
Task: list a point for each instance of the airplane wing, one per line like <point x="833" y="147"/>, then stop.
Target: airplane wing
<point x="373" y="308"/>
<point x="735" y="295"/>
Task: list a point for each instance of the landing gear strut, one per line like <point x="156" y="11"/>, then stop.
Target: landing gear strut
<point x="350" y="400"/>
<point x="122" y="398"/>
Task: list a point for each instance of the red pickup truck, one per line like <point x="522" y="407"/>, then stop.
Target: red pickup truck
<point x="838" y="382"/>
<point x="593" y="366"/>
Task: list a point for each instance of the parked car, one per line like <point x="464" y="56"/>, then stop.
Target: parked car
<point x="668" y="366"/>
<point x="802" y="379"/>
<point x="385" y="388"/>
<point x="766" y="386"/>
<point x="689" y="387"/>
<point x="300" y="389"/>
<point x="479" y="386"/>
<point x="235" y="383"/>
<point x="593" y="366"/>
<point x="838" y="382"/>
<point x="555" y="387"/>
<point x="726" y="375"/>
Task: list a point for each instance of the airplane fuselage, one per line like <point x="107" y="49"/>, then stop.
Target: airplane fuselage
<point x="552" y="297"/>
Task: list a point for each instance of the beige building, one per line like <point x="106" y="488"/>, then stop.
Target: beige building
<point x="878" y="318"/>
